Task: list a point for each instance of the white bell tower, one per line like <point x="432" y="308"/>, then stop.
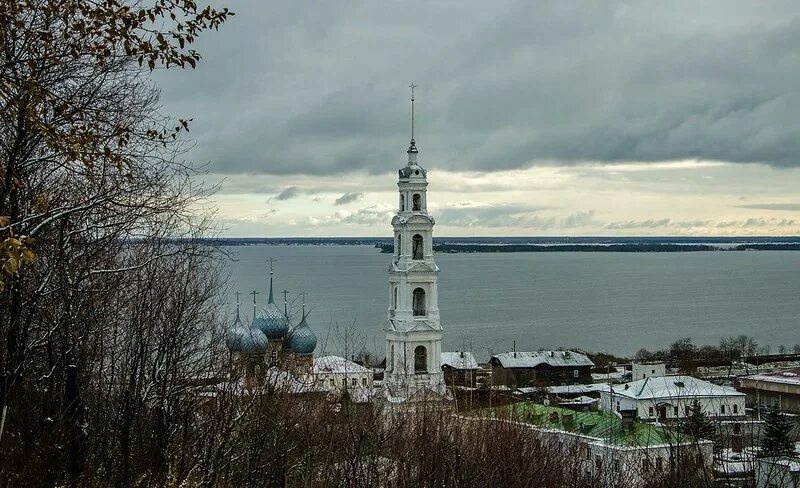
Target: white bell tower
<point x="413" y="330"/>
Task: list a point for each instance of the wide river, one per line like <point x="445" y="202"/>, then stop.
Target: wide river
<point x="613" y="302"/>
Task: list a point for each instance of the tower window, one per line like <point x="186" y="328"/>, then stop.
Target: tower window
<point x="399" y="245"/>
<point x="416" y="202"/>
<point x="419" y="302"/>
<point x="420" y="359"/>
<point x="418" y="248"/>
<point x="402" y="202"/>
<point x="394" y="297"/>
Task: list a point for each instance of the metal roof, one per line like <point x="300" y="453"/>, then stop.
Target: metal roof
<point x="576" y="389"/>
<point x="790" y="377"/>
<point x="459" y="360"/>
<point x="241" y="338"/>
<point x="272" y="322"/>
<point x="672" y="387"/>
<point x="302" y="339"/>
<point x="537" y="358"/>
<point x="338" y="365"/>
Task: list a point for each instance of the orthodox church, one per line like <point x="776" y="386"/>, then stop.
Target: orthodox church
<point x="413" y="331"/>
<point x="270" y="341"/>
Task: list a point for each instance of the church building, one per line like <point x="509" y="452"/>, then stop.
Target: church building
<point x="413" y="329"/>
<point x="270" y="341"/>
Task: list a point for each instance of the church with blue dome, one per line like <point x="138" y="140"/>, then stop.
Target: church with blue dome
<point x="270" y="340"/>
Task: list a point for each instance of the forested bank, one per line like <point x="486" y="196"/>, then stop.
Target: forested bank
<point x="636" y="247"/>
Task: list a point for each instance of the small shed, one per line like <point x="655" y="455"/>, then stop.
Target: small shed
<point x="460" y="368"/>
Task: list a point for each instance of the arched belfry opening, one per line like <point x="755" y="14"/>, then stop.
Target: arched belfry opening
<point x="419" y="302"/>
<point x="416" y="202"/>
<point x="402" y="203"/>
<point x="399" y="250"/>
<point x="419" y="251"/>
<point x="420" y="359"/>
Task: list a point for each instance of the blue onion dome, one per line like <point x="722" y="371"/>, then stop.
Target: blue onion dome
<point x="302" y="339"/>
<point x="272" y="321"/>
<point x="244" y="339"/>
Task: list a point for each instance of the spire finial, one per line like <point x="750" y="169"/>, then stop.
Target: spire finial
<point x="271" y="272"/>
<point x="412" y="86"/>
<point x="237" y="304"/>
<point x="254" y="293"/>
<point x="303" y="294"/>
<point x="285" y="303"/>
<point x="412" y="148"/>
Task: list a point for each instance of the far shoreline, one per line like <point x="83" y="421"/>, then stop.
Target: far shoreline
<point x="457" y="245"/>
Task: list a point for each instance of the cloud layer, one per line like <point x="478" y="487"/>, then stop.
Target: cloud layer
<point x="285" y="89"/>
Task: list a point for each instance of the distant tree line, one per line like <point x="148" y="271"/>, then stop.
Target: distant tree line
<point x="729" y="348"/>
<point x="388" y="248"/>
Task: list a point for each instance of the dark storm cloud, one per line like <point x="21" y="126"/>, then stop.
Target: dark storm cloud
<point x="287" y="193"/>
<point x="322" y="90"/>
<point x="348" y="197"/>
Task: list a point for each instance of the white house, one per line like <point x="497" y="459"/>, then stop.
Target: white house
<point x="640" y="371"/>
<point x="606" y="447"/>
<point x="336" y="373"/>
<point x="671" y="397"/>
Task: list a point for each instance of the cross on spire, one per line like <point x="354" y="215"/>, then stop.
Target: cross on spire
<point x="254" y="293"/>
<point x="412" y="148"/>
<point x="412" y="86"/>
<point x="271" y="272"/>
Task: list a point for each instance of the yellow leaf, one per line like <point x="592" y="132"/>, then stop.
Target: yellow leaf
<point x="28" y="256"/>
<point x="10" y="266"/>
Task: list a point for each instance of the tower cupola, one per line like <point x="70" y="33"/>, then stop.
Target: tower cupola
<point x="302" y="339"/>
<point x="271" y="320"/>
<point x="243" y="339"/>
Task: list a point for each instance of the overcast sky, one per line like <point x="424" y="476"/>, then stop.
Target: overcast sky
<point x="533" y="118"/>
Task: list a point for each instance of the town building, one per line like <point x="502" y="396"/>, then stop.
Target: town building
<point x="621" y="453"/>
<point x="540" y="368"/>
<point x="413" y="329"/>
<point x="779" y="389"/>
<point x="336" y="373"/>
<point x="460" y="368"/>
<point x="662" y="398"/>
<point x="640" y="371"/>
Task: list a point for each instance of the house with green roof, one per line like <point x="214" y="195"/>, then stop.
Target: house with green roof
<point x="618" y="448"/>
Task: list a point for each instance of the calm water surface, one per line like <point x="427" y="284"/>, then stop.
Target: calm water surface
<point x="615" y="302"/>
